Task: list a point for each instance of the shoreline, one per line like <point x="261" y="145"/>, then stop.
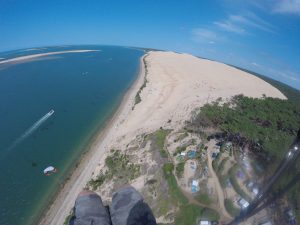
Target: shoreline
<point x="177" y="85"/>
<point x="65" y="197"/>
<point x="33" y="56"/>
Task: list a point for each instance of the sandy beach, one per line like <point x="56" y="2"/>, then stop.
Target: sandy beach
<point x="34" y="56"/>
<point x="177" y="84"/>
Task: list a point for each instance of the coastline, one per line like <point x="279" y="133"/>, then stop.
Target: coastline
<point x="65" y="197"/>
<point x="33" y="56"/>
<point x="177" y="85"/>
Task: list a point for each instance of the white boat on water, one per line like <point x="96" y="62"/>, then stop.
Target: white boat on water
<point x="51" y="112"/>
<point x="49" y="170"/>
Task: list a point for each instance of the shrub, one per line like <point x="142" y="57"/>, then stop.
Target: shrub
<point x="180" y="169"/>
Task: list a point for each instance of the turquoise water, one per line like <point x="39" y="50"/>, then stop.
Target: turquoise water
<point x="83" y="89"/>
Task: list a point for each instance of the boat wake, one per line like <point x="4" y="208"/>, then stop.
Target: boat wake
<point x="30" y="130"/>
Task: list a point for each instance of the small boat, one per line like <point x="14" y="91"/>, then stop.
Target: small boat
<point x="49" y="170"/>
<point x="51" y="112"/>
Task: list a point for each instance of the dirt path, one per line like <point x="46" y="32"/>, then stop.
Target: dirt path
<point x="218" y="187"/>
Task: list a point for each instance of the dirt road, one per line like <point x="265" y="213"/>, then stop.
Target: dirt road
<point x="217" y="185"/>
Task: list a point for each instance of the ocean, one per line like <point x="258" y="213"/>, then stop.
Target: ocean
<point x="84" y="90"/>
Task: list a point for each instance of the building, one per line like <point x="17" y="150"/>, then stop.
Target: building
<point x="182" y="153"/>
<point x="266" y="223"/>
<point x="204" y="222"/>
<point x="195" y="186"/>
<point x="243" y="203"/>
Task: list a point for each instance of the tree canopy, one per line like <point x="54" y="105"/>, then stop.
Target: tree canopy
<point x="269" y="122"/>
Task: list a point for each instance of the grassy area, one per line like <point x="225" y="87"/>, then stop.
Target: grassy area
<point x="177" y="196"/>
<point x="181" y="136"/>
<point x="95" y="183"/>
<point x="179" y="149"/>
<point x="118" y="166"/>
<point x="218" y="167"/>
<point x="137" y="96"/>
<point x="67" y="220"/>
<point x="215" y="163"/>
<point x="231" y="209"/>
<point x="235" y="185"/>
<point x="168" y="169"/>
<point x="203" y="199"/>
<point x="189" y="214"/>
<point x="160" y="136"/>
<point x="180" y="169"/>
<point x="222" y="165"/>
<point x="138" y="99"/>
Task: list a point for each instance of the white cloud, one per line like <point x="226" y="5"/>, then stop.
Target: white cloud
<point x="255" y="64"/>
<point x="252" y="20"/>
<point x="228" y="26"/>
<point x="205" y="35"/>
<point x="276" y="6"/>
<point x="240" y="23"/>
<point x="287" y="7"/>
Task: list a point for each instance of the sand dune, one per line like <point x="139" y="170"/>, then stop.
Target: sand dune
<point x="177" y="84"/>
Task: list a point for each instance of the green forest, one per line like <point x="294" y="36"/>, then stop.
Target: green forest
<point x="269" y="123"/>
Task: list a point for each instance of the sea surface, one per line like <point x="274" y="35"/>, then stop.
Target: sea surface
<point x="83" y="89"/>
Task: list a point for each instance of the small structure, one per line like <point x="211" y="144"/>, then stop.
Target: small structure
<point x="182" y="153"/>
<point x="255" y="191"/>
<point x="193" y="166"/>
<point x="252" y="187"/>
<point x="214" y="155"/>
<point x="240" y="174"/>
<point x="204" y="222"/>
<point x="290" y="216"/>
<point x="191" y="154"/>
<point x="243" y="203"/>
<point x="195" y="186"/>
<point x="266" y="223"/>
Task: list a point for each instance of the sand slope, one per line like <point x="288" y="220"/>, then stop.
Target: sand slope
<point x="177" y="84"/>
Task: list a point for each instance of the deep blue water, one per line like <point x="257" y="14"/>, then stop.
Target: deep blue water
<point x="84" y="89"/>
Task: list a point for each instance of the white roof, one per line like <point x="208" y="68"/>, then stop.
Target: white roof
<point x="195" y="183"/>
<point x="49" y="169"/>
<point x="204" y="222"/>
<point x="183" y="153"/>
<point x="267" y="223"/>
<point x="255" y="191"/>
<point x="243" y="203"/>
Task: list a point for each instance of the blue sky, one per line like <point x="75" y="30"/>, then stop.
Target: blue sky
<point x="260" y="35"/>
